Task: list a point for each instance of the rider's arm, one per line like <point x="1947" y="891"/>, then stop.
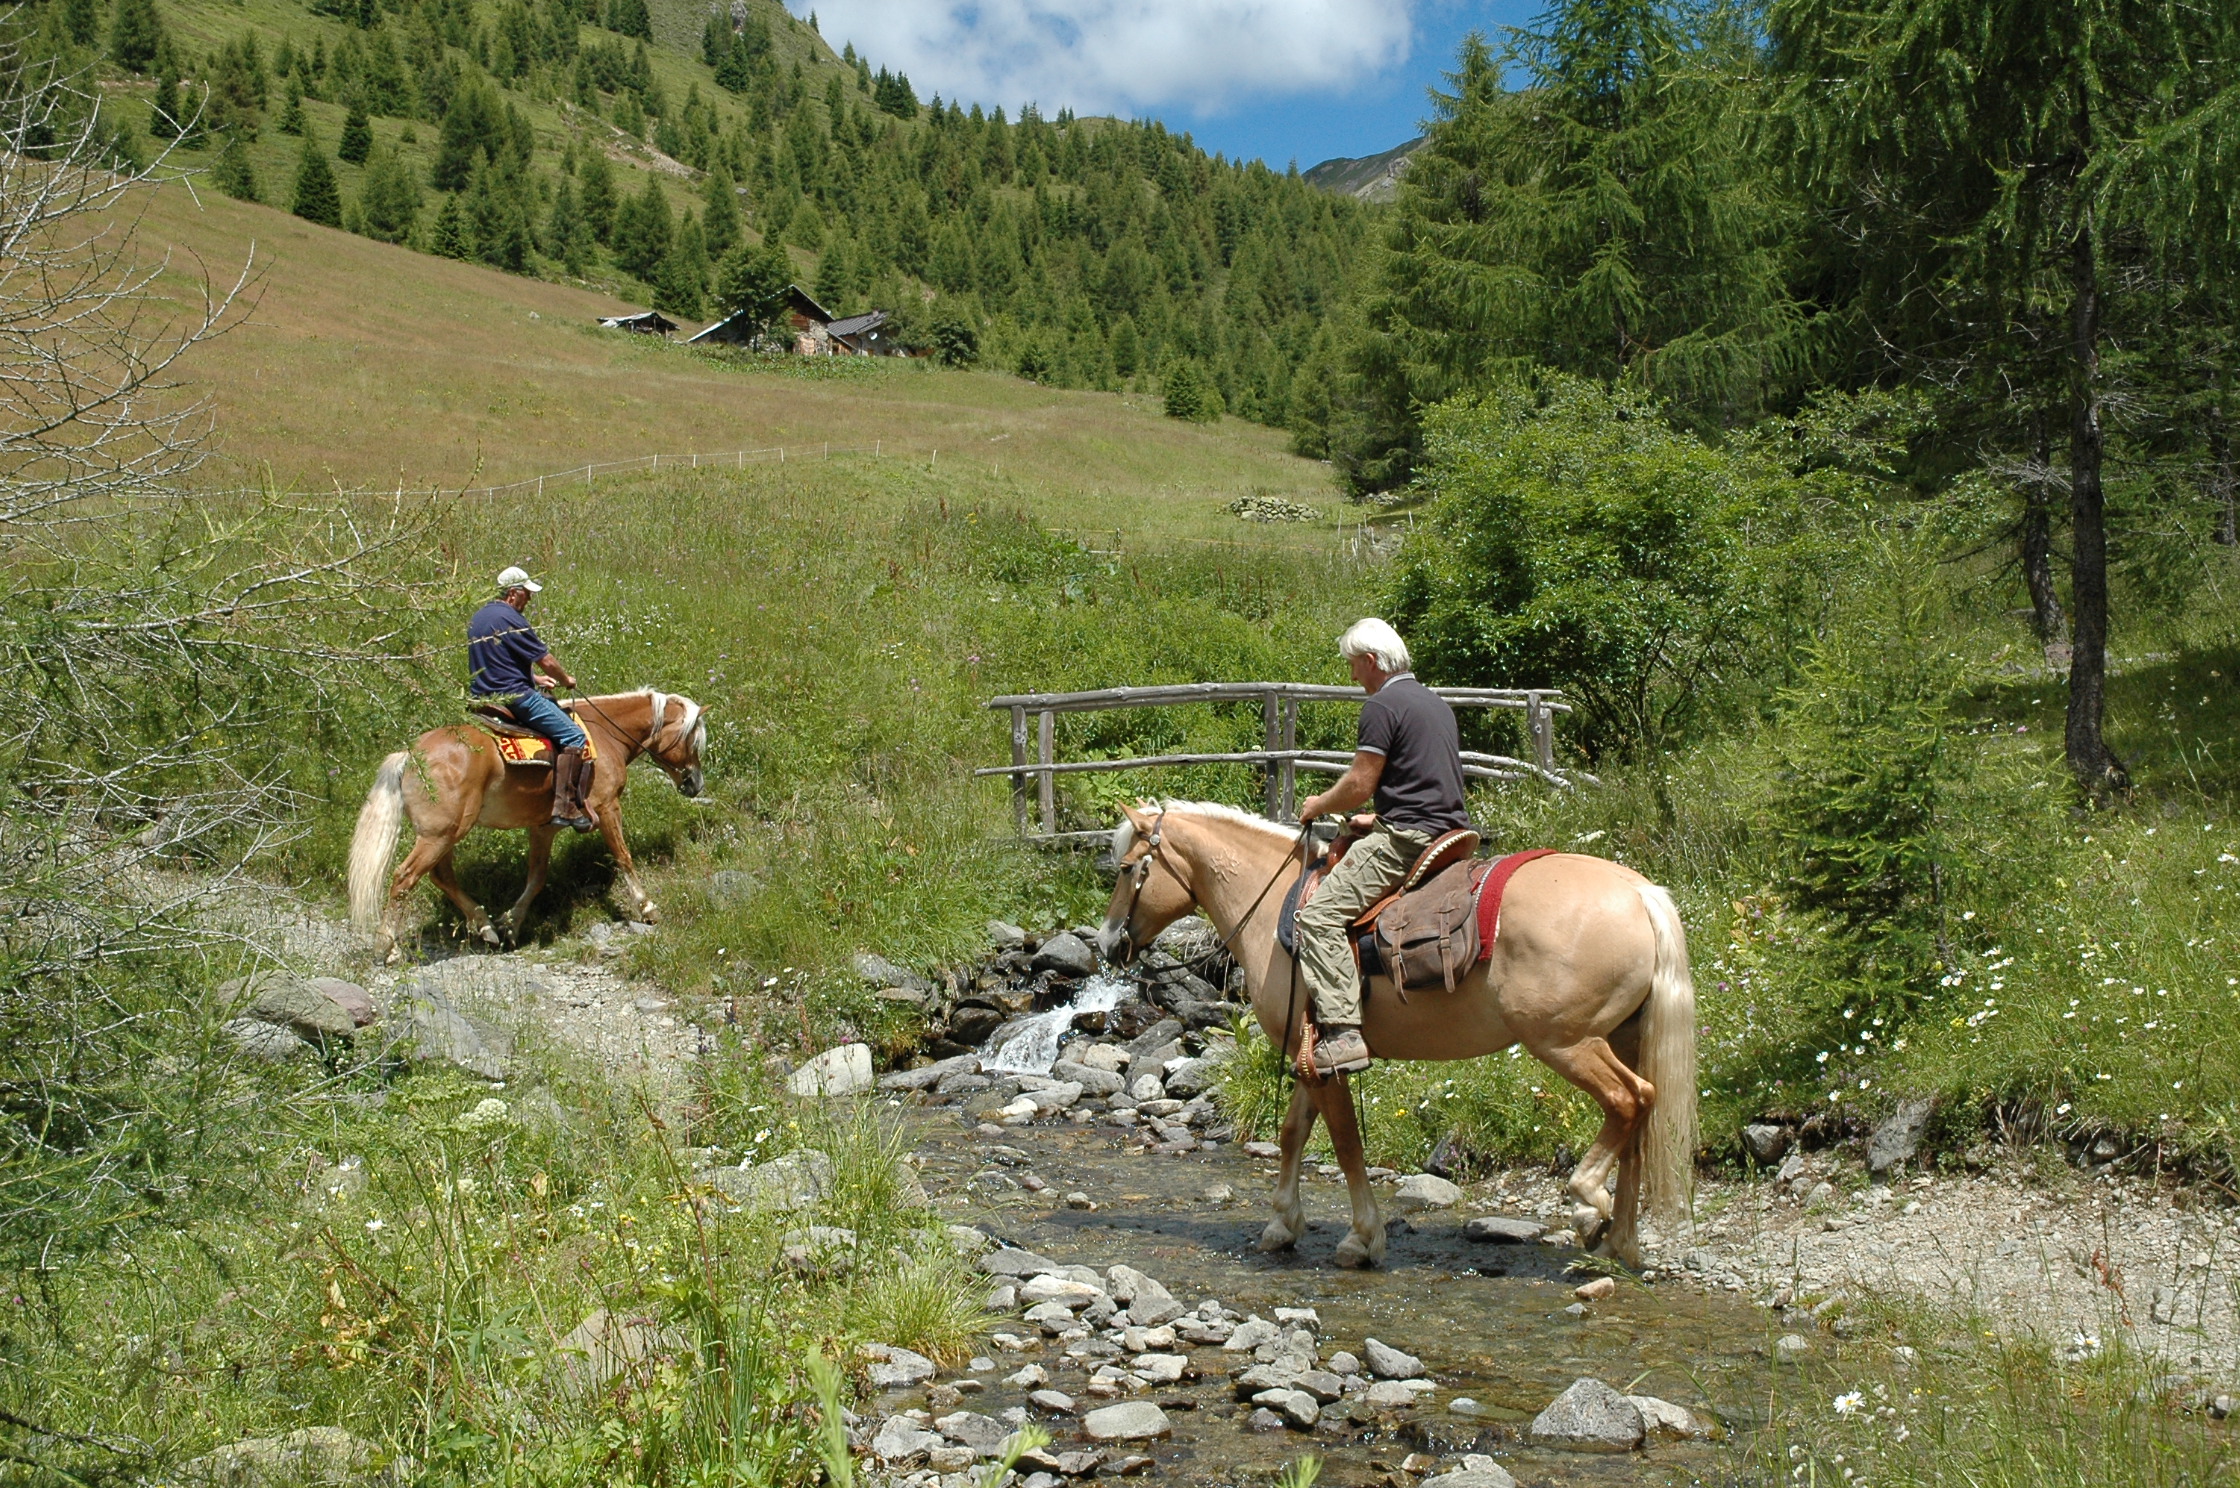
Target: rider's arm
<point x="1354" y="788"/>
<point x="549" y="664"/>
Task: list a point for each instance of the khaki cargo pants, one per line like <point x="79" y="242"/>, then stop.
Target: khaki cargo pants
<point x="1372" y="868"/>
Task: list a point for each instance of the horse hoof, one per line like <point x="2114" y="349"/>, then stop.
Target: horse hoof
<point x="649" y="914"/>
<point x="1278" y="1236"/>
<point x="489" y="934"/>
<point x="1356" y="1254"/>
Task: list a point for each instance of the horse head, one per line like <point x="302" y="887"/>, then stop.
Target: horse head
<point x="1151" y="893"/>
<point x="678" y="731"/>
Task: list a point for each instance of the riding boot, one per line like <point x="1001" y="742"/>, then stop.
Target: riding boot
<point x="567" y="804"/>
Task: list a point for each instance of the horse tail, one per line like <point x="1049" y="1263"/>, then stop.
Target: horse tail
<point x="375" y="842"/>
<point x="1668" y="1061"/>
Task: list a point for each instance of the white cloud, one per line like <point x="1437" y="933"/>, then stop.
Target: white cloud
<point x="1122" y="56"/>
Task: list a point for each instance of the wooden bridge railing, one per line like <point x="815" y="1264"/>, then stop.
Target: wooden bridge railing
<point x="1280" y="754"/>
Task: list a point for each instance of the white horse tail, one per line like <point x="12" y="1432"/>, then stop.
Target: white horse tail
<point x="375" y="842"/>
<point x="1668" y="1061"/>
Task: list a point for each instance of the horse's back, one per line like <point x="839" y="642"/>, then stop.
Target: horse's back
<point x="1572" y="957"/>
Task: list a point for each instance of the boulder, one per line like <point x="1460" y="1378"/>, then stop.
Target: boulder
<point x="1589" y="1417"/>
<point x="1189" y="1077"/>
<point x="1496" y="1229"/>
<point x="1597" y="1290"/>
<point x="1663" y="1418"/>
<point x="1297" y="1407"/>
<point x="1472" y="1477"/>
<point x="423" y="1025"/>
<point x="1159" y="1369"/>
<point x="1420" y="1191"/>
<point x="878" y="971"/>
<point x="797" y="1180"/>
<point x="355" y="1002"/>
<point x="819" y="1248"/>
<point x="605" y="1346"/>
<point x="1389" y="1395"/>
<point x="1390" y="1363"/>
<point x="1018" y="1263"/>
<point x="1066" y="955"/>
<point x="266" y="1043"/>
<point x="1133" y="1420"/>
<point x="896" y="1368"/>
<point x="315" y="1457"/>
<point x="984" y="1434"/>
<point x="1153" y="1039"/>
<point x="1898" y="1138"/>
<point x="1005" y="936"/>
<point x="1093" y="1081"/>
<point x="1072" y="1295"/>
<point x="1765" y="1142"/>
<point x="899" y="1438"/>
<point x="288" y="1001"/>
<point x="1149" y="1304"/>
<point x="926" y="1076"/>
<point x="1052" y="1400"/>
<point x="1321" y="1384"/>
<point x="1147" y="1088"/>
<point x="842" y="1071"/>
<point x="1110" y="1058"/>
<point x="1250" y="1334"/>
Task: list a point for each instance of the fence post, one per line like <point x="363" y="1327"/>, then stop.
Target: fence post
<point x="1540" y="725"/>
<point x="1271" y="739"/>
<point x="1046" y="784"/>
<point x="1019" y="757"/>
<point x="1290" y="766"/>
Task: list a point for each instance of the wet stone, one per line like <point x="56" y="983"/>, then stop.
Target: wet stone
<point x="1495" y="1229"/>
<point x="1390" y="1395"/>
<point x="1019" y="1263"/>
<point x="1589" y="1417"/>
<point x="1134" y="1420"/>
<point x="1663" y="1418"/>
<point x="1421" y="1191"/>
<point x="1297" y="1407"/>
<point x="1472" y="1477"/>
<point x="1052" y="1400"/>
<point x="1386" y="1362"/>
<point x="1264" y="1419"/>
<point x="895" y="1368"/>
<point x="900" y="1438"/>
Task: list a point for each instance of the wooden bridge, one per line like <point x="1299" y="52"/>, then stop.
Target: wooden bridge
<point x="1279" y="753"/>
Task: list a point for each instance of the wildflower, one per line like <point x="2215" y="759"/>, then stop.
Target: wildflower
<point x="375" y="1225"/>
<point x="1849" y="1403"/>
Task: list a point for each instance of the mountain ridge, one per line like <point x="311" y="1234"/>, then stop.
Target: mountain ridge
<point x="1369" y="178"/>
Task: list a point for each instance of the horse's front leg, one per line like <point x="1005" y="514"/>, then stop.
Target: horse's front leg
<point x="516" y="919"/>
<point x="445" y="871"/>
<point x="1290" y="1221"/>
<point x="609" y="815"/>
<point x="1364" y="1243"/>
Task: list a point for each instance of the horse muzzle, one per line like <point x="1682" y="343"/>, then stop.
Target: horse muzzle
<point x="1115" y="945"/>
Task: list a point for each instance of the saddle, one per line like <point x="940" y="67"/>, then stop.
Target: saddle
<point x="1435" y="926"/>
<point x="518" y="745"/>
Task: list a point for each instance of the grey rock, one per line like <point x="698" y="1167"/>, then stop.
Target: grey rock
<point x="1159" y="1369"/>
<point x="1018" y="1263"/>
<point x="606" y="1346"/>
<point x="1148" y="1087"/>
<point x="1472" y="1477"/>
<point x="1343" y="1363"/>
<point x="315" y="1457"/>
<point x="1277" y="1376"/>
<point x="1765" y="1142"/>
<point x="1153" y="1039"/>
<point x="1110" y="1058"/>
<point x="1792" y="1168"/>
<point x="1092" y="1081"/>
<point x="1421" y="1191"/>
<point x="1250" y="1334"/>
<point x="1133" y="1420"/>
<point x="899" y="1439"/>
<point x="966" y="1240"/>
<point x="266" y="1043"/>
<point x="1005" y="936"/>
<point x="926" y="1076"/>
<point x="798" y="1180"/>
<point x="732" y="886"/>
<point x="1663" y="1418"/>
<point x="1052" y="1318"/>
<point x="349" y="996"/>
<point x="1264" y="1419"/>
<point x="1067" y="1293"/>
<point x="288" y="1001"/>
<point x="1898" y="1138"/>
<point x="1589" y="1417"/>
<point x="984" y="1434"/>
<point x="1157" y="1059"/>
<point x="1297" y="1407"/>
<point x="1321" y="1384"/>
<point x="1191" y="938"/>
<point x="1149" y="1304"/>
<point x="1390" y="1363"/>
<point x="1498" y="1229"/>
<point x="1052" y="1400"/>
<point x="423" y="1025"/>
<point x="1791" y="1346"/>
<point x="1067" y="955"/>
<point x="1389" y="1395"/>
<point x="842" y="1071"/>
<point x="878" y="971"/>
<point x="894" y="1368"/>
<point x="1193" y="1077"/>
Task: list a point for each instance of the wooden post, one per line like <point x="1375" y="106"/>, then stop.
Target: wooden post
<point x="1540" y="725"/>
<point x="1271" y="739"/>
<point x="1290" y="767"/>
<point x="1019" y="757"/>
<point x="1046" y="784"/>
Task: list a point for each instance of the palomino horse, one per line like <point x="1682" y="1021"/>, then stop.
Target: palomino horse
<point x="1589" y="972"/>
<point x="452" y="781"/>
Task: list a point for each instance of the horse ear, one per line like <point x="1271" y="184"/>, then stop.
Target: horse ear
<point x="1137" y="817"/>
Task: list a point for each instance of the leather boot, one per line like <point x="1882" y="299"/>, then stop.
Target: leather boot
<point x="567" y="803"/>
<point x="1340" y="1051"/>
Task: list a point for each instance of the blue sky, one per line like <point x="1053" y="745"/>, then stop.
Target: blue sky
<point x="1276" y="80"/>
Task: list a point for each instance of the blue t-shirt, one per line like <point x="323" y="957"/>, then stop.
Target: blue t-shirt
<point x="501" y="647"/>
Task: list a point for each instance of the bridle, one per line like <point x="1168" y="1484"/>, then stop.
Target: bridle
<point x="1142" y="875"/>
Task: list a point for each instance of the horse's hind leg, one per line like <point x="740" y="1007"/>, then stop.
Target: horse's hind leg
<point x="1364" y="1243"/>
<point x="445" y="871"/>
<point x="1290" y="1221"/>
<point x="428" y="849"/>
<point x="1625" y="1097"/>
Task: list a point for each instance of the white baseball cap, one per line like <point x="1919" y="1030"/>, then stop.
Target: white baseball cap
<point x="517" y="577"/>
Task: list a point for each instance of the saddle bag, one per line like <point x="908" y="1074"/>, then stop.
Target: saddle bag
<point x="1428" y="937"/>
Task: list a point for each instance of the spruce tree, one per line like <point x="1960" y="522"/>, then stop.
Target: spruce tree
<point x="630" y="18"/>
<point x="643" y="232"/>
<point x="567" y="237"/>
<point x="448" y="236"/>
<point x="388" y="198"/>
<point x="135" y="35"/>
<point x="719" y="224"/>
<point x="234" y="174"/>
<point x="681" y="283"/>
<point x="291" y="114"/>
<point x="317" y="198"/>
<point x="81" y="19"/>
<point x="836" y="277"/>
<point x="357" y="136"/>
<point x="598" y="197"/>
<point x="164" y="117"/>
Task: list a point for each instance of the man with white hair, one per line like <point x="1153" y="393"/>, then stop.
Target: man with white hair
<point x="1409" y="758"/>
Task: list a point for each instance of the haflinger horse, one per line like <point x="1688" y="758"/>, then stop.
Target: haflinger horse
<point x="1589" y="972"/>
<point x="452" y="781"/>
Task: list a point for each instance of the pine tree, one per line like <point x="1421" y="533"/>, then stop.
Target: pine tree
<point x="81" y="19"/>
<point x="681" y="282"/>
<point x="598" y="197"/>
<point x="630" y="18"/>
<point x="135" y="35"/>
<point x="357" y="136"/>
<point x="1127" y="348"/>
<point x="836" y="277"/>
<point x="291" y="115"/>
<point x="719" y="224"/>
<point x="643" y="231"/>
<point x="164" y="116"/>
<point x="1188" y="394"/>
<point x="448" y="236"/>
<point x="317" y="198"/>
<point x="389" y="198"/>
<point x="567" y="237"/>
<point x="234" y="174"/>
<point x="756" y="284"/>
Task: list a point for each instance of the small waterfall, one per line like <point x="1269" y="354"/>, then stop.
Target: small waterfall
<point x="1030" y="1045"/>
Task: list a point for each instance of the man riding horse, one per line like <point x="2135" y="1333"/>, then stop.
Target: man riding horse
<point x="1409" y="757"/>
<point x="502" y="650"/>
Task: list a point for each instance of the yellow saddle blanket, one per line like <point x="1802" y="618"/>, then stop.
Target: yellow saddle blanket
<point x="520" y="749"/>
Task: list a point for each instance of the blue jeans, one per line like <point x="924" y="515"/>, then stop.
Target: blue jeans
<point x="534" y="710"/>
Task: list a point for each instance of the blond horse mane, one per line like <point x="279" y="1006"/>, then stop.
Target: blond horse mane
<point x="1124" y="835"/>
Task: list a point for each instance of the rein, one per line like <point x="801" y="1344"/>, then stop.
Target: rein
<point x="587" y="700"/>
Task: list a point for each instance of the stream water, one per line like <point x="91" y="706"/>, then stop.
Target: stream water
<point x="1030" y="1045"/>
<point x="1487" y="1320"/>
